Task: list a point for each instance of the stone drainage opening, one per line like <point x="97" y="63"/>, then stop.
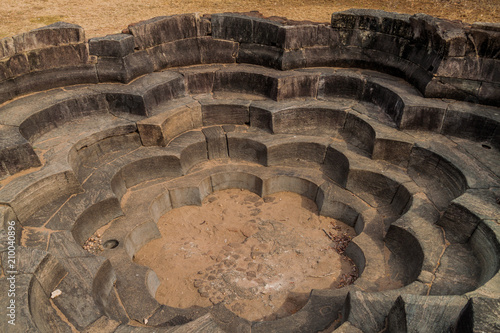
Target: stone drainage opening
<point x="111" y="244"/>
<point x="259" y="256"/>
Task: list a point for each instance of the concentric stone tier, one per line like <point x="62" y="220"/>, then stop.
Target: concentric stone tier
<point x="391" y="145"/>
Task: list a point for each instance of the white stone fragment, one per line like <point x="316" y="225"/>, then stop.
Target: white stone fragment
<point x="55" y="293"/>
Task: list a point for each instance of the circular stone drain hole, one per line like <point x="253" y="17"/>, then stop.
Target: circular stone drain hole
<point x="110" y="244"/>
<point x="259" y="257"/>
<point x="485" y="146"/>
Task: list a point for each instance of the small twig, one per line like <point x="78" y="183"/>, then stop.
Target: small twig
<point x="321" y="276"/>
<point x="326" y="233"/>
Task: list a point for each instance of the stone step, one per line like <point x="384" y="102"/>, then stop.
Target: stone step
<point x="412" y="313"/>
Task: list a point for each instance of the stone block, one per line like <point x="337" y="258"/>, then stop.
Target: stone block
<point x="132" y="288"/>
<point x="422" y="233"/>
<point x="193" y="149"/>
<point x="159" y="88"/>
<point x="307" y="35"/>
<point x="59" y="33"/>
<point x="442" y="35"/>
<point x="265" y="32"/>
<point x="367" y="311"/>
<point x="76" y="301"/>
<point x="56" y="115"/>
<point x="464" y="120"/>
<point x="164" y="29"/>
<point x="489" y="93"/>
<point x="245" y="29"/>
<point x="485" y="42"/>
<point x="374" y="20"/>
<point x="359" y="133"/>
<point x="43" y="313"/>
<point x="57" y="57"/>
<point x="35" y="238"/>
<point x="412" y="313"/>
<point x="309" y="121"/>
<point x="296" y="152"/>
<point x="140" y="236"/>
<point x="117" y="45"/>
<point x="237" y="180"/>
<point x="458" y="272"/>
<point x="7" y="90"/>
<point x="162" y="128"/>
<point x="341" y="84"/>
<point x="386" y="98"/>
<point x="486" y="246"/>
<point x="63" y="245"/>
<point x="308" y="57"/>
<point x="429" y="118"/>
<point x="124" y="69"/>
<point x="55" y="77"/>
<point x="169" y="316"/>
<point x="29" y="195"/>
<point x="470" y="68"/>
<point x="250" y="80"/>
<point x="297" y="185"/>
<point x="344" y="20"/>
<point x="48" y="272"/>
<point x="146" y="166"/>
<point x="393" y="45"/>
<point x="452" y="88"/>
<point x="219" y="320"/>
<point x="262" y="55"/>
<point x="480" y="315"/>
<point x="463" y="215"/>
<point x="136" y="64"/>
<point x="16" y="154"/>
<point x="111" y="69"/>
<point x="393" y="151"/>
<point x="218" y="112"/>
<point x="7" y="48"/>
<point x="200" y="81"/>
<point x="177" y="53"/>
<point x="234" y="27"/>
<point x="303" y="86"/>
<point x="322" y="307"/>
<point x="214" y="51"/>
<point x="442" y="181"/>
<point x="216" y="142"/>
<point x="105" y="294"/>
<point x="376" y="189"/>
<point x="14" y="66"/>
<point x="246" y="149"/>
<point x="260" y="117"/>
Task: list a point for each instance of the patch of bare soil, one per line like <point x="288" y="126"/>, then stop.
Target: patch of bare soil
<point x="260" y="257"/>
<point x="100" y="18"/>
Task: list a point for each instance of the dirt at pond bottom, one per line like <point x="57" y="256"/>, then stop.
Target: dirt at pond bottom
<point x="260" y="257"/>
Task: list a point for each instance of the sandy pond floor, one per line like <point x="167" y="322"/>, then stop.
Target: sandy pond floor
<point x="260" y="257"/>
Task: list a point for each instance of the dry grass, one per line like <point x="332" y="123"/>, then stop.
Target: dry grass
<point x="100" y="18"/>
